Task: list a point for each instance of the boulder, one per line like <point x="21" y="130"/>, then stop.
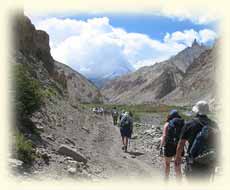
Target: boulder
<point x="68" y="151"/>
<point x="14" y="163"/>
<point x="72" y="171"/>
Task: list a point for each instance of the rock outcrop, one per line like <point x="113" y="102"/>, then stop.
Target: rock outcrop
<point x="198" y="82"/>
<point x="31" y="47"/>
<point x="30" y="41"/>
<point x="68" y="151"/>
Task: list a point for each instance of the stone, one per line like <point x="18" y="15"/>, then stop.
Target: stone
<point x="72" y="171"/>
<point x="68" y="151"/>
<point x="15" y="163"/>
<point x="135" y="136"/>
<point x="67" y="140"/>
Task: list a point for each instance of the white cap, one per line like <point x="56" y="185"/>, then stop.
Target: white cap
<point x="201" y="108"/>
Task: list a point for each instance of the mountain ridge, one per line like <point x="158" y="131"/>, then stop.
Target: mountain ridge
<point x="152" y="83"/>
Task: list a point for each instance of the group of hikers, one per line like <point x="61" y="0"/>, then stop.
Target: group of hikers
<point x="194" y="141"/>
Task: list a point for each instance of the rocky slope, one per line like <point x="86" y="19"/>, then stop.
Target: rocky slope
<point x="60" y="120"/>
<point x="151" y="84"/>
<point x="198" y="82"/>
<point x="32" y="49"/>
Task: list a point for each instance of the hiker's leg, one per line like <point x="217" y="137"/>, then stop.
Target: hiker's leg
<point x="126" y="143"/>
<point x="167" y="167"/>
<point x="115" y="120"/>
<point x="178" y="172"/>
<point x="123" y="140"/>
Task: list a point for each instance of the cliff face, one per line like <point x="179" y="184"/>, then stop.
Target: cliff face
<point x="30" y="41"/>
<point x="31" y="48"/>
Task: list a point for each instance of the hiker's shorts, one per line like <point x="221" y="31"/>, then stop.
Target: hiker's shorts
<point x="126" y="132"/>
<point x="170" y="150"/>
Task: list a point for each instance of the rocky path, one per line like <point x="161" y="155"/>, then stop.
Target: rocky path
<point x="95" y="137"/>
<point x="113" y="162"/>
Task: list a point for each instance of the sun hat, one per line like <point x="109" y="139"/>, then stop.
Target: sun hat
<point x="201" y="108"/>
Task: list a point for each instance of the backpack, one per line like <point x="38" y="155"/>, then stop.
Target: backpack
<point x="125" y="122"/>
<point x="204" y="147"/>
<point x="174" y="130"/>
<point x="115" y="113"/>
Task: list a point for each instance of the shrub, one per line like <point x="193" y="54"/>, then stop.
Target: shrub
<point x="24" y="149"/>
<point x="28" y="96"/>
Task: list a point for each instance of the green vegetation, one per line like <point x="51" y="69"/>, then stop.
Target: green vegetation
<point x="24" y="149"/>
<point x="28" y="97"/>
<point x="28" y="94"/>
<point x="140" y="109"/>
<point x="49" y="92"/>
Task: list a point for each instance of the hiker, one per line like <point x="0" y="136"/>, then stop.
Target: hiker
<point x="115" y="116"/>
<point x="201" y="133"/>
<point x="171" y="135"/>
<point x="121" y="114"/>
<point x="126" y="129"/>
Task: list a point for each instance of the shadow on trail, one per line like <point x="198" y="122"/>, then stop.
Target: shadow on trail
<point x="135" y="153"/>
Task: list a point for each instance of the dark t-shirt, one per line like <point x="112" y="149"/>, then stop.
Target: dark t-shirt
<point x="193" y="127"/>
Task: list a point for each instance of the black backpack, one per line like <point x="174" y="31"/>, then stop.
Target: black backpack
<point x="204" y="148"/>
<point x="125" y="121"/>
<point x="175" y="127"/>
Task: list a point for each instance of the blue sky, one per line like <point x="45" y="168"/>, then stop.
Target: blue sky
<point x="152" y="25"/>
<point x="97" y="45"/>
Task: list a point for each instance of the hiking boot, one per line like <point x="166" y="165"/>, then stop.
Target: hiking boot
<point x="125" y="148"/>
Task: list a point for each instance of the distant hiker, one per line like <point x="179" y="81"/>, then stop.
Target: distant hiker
<point x="126" y="129"/>
<point x="202" y="134"/>
<point x="114" y="115"/>
<point x="171" y="135"/>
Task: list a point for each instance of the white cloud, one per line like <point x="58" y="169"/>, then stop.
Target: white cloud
<point x="195" y="15"/>
<point x="96" y="48"/>
<point x="187" y="37"/>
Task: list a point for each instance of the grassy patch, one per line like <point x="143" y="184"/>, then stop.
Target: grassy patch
<point x="24" y="149"/>
<point x="28" y="93"/>
<point x="49" y="92"/>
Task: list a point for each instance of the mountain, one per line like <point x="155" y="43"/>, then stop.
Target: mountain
<point x="152" y="83"/>
<point x="99" y="81"/>
<point x="198" y="82"/>
<point x="49" y="116"/>
<point x="33" y="51"/>
<point x="185" y="58"/>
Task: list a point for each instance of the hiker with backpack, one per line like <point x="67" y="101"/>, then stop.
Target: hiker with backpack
<point x="114" y="116"/>
<point x="126" y="129"/>
<point x="171" y="135"/>
<point x="201" y="133"/>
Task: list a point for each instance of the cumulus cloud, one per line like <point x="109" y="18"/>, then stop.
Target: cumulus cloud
<point x="96" y="49"/>
<point x="187" y="37"/>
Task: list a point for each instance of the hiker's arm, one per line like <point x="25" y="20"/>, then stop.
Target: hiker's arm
<point x="164" y="135"/>
<point x="179" y="150"/>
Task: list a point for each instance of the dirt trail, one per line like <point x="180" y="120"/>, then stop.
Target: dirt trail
<point x="113" y="162"/>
